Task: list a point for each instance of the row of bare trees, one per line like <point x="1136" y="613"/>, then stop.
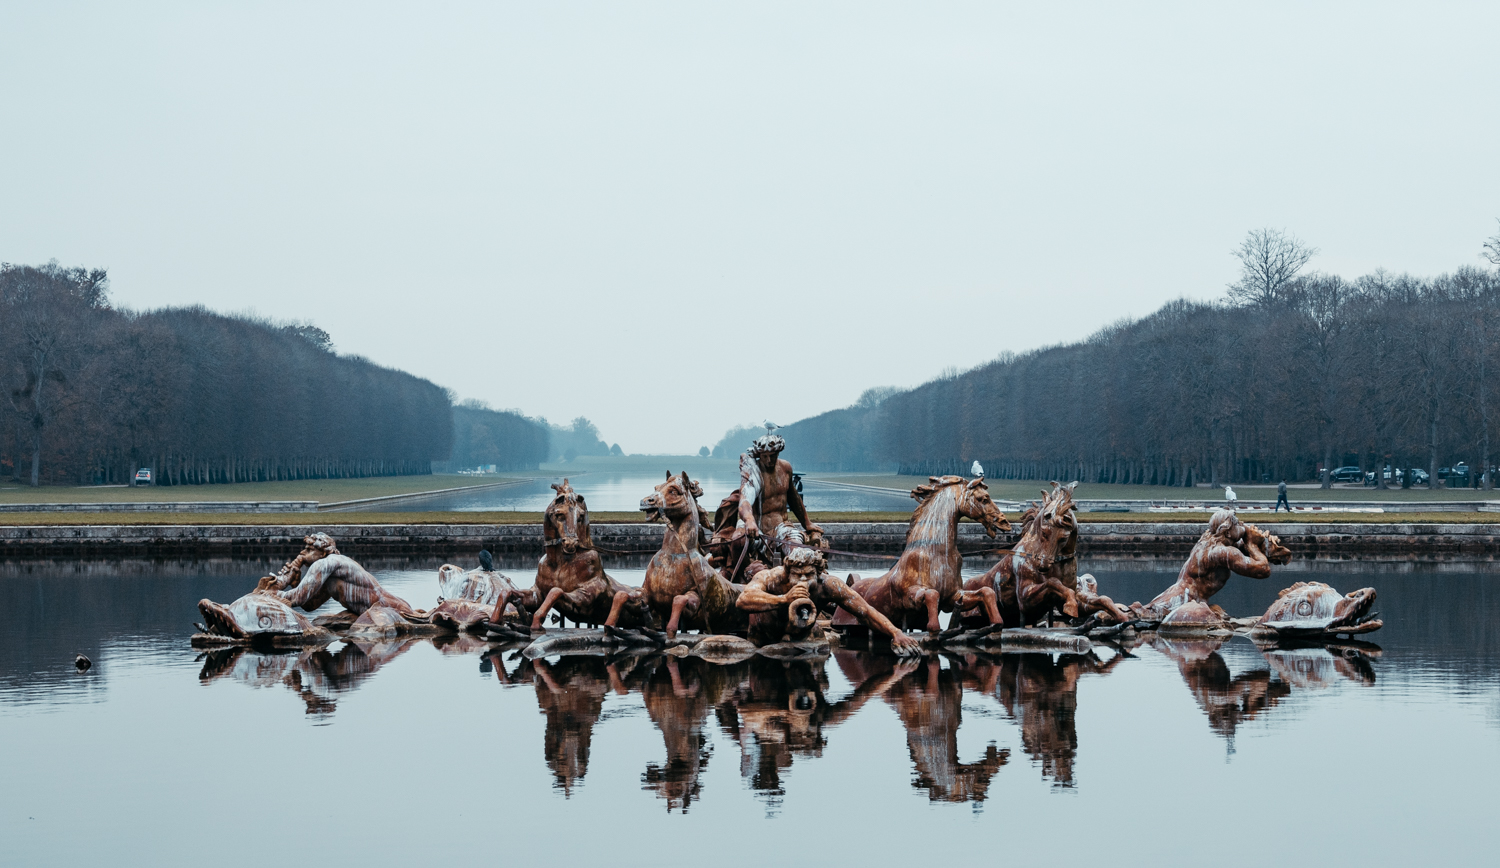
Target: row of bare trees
<point x="1291" y="375"/>
<point x="94" y="392"/>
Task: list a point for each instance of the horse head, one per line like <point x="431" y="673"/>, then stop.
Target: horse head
<point x="1050" y="527"/>
<point x="974" y="502"/>
<point x="675" y="499"/>
<point x="566" y="521"/>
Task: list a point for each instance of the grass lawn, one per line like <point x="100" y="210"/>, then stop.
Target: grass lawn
<point x="320" y="490"/>
<point x="1027" y="490"/>
<point x="305" y="519"/>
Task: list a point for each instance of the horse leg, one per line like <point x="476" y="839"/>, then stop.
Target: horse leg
<point x="984" y="597"/>
<point x="929" y="599"/>
<point x="1096" y="602"/>
<point x="621" y="598"/>
<point x="681" y="603"/>
<point x="539" y="618"/>
<point x="498" y="616"/>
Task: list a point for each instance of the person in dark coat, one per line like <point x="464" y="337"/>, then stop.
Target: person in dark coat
<point x="1281" y="498"/>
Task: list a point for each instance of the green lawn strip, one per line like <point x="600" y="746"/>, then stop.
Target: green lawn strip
<point x="308" y="519"/>
<point x="1027" y="490"/>
<point x="320" y="490"/>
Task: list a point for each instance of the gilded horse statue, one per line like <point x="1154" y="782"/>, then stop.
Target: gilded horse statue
<point x="928" y="577"/>
<point x="571" y="577"/>
<point x="1043" y="565"/>
<point x="680" y="582"/>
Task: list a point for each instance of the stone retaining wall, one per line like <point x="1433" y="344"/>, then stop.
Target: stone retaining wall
<point x="1159" y="538"/>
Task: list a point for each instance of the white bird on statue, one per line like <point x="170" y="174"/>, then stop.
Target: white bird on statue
<point x="769" y="426"/>
<point x="977" y="469"/>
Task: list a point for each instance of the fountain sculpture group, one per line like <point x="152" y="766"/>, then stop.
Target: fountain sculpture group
<point x="751" y="581"/>
<point x="738" y="612"/>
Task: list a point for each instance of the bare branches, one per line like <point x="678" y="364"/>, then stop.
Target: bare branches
<point x="1269" y="262"/>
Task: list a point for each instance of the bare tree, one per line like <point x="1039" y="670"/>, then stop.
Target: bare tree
<point x="1269" y="262"/>
<point x="47" y="329"/>
<point x="1492" y="249"/>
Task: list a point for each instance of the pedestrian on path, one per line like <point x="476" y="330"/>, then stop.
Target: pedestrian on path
<point x="1231" y="499"/>
<point x="1281" y="498"/>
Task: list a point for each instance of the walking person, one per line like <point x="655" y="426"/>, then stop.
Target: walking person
<point x="1231" y="500"/>
<point x="1281" y="498"/>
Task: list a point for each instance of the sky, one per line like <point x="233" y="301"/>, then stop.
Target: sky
<point x="675" y="218"/>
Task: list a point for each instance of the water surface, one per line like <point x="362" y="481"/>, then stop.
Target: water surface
<point x="388" y="753"/>
<point x="622" y="492"/>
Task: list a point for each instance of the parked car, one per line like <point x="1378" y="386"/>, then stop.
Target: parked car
<point x="1419" y="476"/>
<point x="1370" y="477"/>
<point x="142" y="476"/>
<point x="1346" y="474"/>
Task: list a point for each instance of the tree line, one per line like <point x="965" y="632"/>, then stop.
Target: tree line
<point x="1288" y="376"/>
<point x="94" y="392"/>
<point x="498" y="439"/>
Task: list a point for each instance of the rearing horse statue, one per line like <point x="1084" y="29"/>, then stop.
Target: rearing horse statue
<point x="1040" y="573"/>
<point x="571" y="577"/>
<point x="928" y="577"/>
<point x="680" y="582"/>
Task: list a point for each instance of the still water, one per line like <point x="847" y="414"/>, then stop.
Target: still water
<point x="1159" y="754"/>
<point x="622" y="492"/>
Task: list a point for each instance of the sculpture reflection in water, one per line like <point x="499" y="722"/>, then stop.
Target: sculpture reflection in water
<point x="778" y="711"/>
<point x="317" y="675"/>
<point x="929" y="701"/>
<point x="1230" y="700"/>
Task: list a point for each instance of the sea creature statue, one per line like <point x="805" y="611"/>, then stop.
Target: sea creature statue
<point x="785" y="601"/>
<point x="259" y="617"/>
<point x="1227" y="546"/>
<point x="571" y="577"/>
<point x="321" y="574"/>
<point x="680" y="583"/>
<point x="1043" y="564"/>
<point x="1315" y="609"/>
<point x="928" y="577"/>
<point x="467" y="599"/>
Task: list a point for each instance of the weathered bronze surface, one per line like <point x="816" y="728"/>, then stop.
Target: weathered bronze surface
<point x="320" y="574"/>
<point x="1043" y="566"/>
<point x="753" y="519"/>
<point x="786" y="601"/>
<point x="928" y="577"/>
<point x="571" y="577"/>
<point x="1314" y="609"/>
<point x="1227" y="546"/>
<point x="467" y="599"/>
<point x="681" y="586"/>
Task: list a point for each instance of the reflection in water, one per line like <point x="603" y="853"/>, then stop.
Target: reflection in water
<point x="1230" y="700"/>
<point x="1040" y="692"/>
<point x="928" y="699"/>
<point x="776" y="711"/>
<point x="318" y="675"/>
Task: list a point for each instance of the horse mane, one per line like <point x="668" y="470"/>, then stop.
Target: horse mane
<point x="923" y="493"/>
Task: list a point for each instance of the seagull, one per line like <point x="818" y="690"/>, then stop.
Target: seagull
<point x="769" y="426"/>
<point x="82" y="663"/>
<point x="977" y="469"/>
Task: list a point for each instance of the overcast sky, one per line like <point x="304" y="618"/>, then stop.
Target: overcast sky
<point x="677" y="217"/>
